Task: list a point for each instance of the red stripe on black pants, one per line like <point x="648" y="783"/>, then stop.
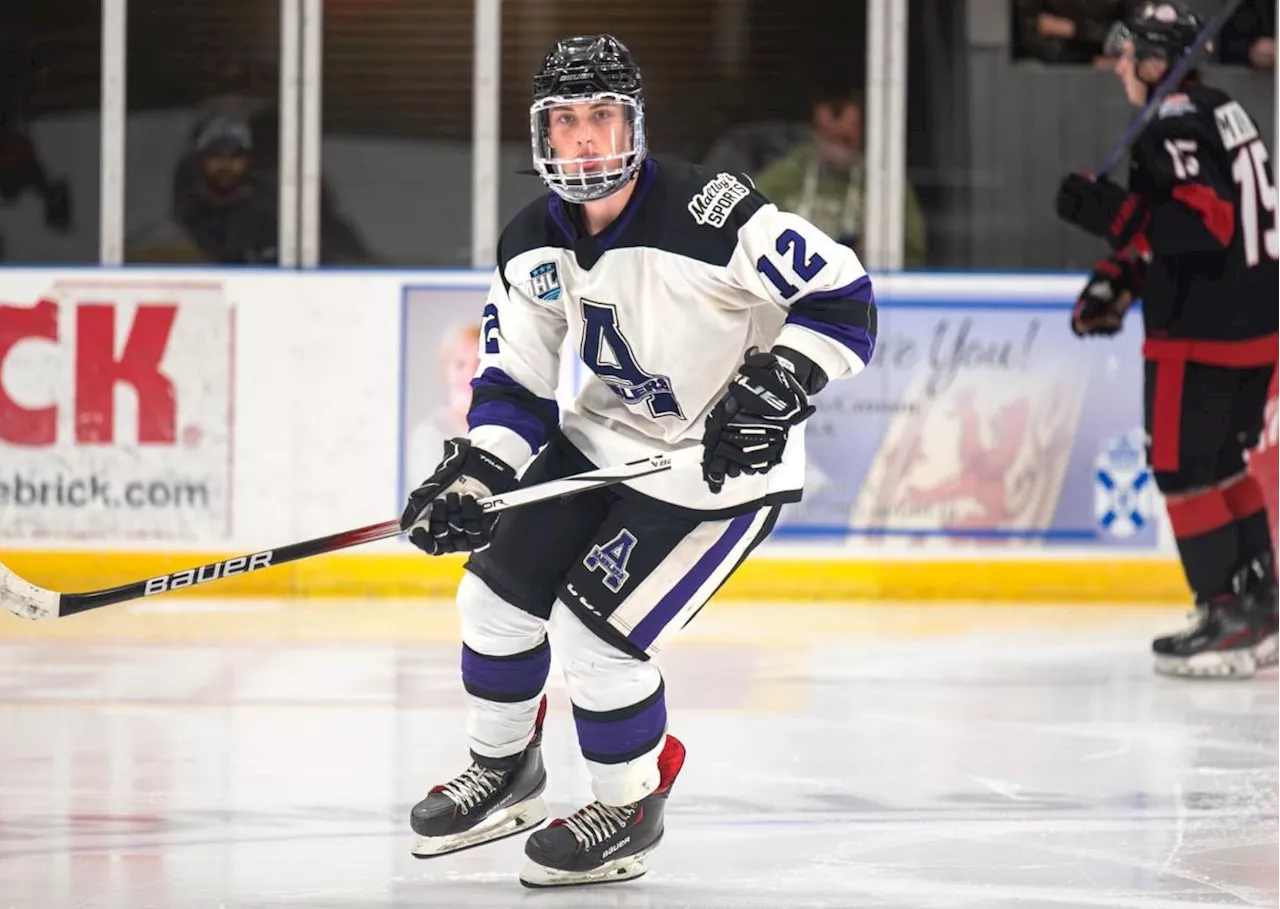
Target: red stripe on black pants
<point x="1208" y="540"/>
<point x="1170" y="357"/>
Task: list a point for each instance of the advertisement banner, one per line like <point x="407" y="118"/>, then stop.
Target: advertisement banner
<point x="441" y="350"/>
<point x="981" y="418"/>
<point x="115" y="412"/>
<point x="982" y="421"/>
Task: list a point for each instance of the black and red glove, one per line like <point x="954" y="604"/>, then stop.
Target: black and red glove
<point x="1115" y="283"/>
<point x="1102" y="208"/>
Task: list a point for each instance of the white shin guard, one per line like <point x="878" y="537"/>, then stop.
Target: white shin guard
<point x="619" y="708"/>
<point x="492" y="628"/>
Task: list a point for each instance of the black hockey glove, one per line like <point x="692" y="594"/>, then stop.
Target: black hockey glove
<point x="444" y="511"/>
<point x="1109" y="293"/>
<point x="747" y="429"/>
<point x="1102" y="208"/>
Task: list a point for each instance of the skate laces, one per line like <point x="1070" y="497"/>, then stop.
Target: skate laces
<point x="475" y="784"/>
<point x="596" y="822"/>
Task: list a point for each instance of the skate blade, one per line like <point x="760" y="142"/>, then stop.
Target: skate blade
<point x="1267" y="651"/>
<point x="1221" y="664"/>
<point x="539" y="877"/>
<point x="519" y="818"/>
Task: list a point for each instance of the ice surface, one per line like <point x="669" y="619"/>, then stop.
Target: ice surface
<point x="239" y="754"/>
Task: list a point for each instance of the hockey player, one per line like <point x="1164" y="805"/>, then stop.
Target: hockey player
<point x="707" y="317"/>
<point x="1194" y="235"/>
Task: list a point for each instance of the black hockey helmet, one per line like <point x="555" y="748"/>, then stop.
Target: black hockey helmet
<point x="1164" y="30"/>
<point x="583" y="70"/>
<point x="587" y="65"/>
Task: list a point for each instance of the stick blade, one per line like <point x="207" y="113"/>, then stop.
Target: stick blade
<point x="26" y="600"/>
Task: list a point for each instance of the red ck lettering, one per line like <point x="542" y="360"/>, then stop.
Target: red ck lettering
<point x="97" y="371"/>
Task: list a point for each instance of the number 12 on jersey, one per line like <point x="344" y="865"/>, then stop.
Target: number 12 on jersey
<point x="806" y="268"/>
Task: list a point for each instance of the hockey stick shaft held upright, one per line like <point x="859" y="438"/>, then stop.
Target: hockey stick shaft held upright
<point x="32" y="602"/>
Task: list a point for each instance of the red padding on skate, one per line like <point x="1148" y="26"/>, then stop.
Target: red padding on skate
<point x="1244" y="496"/>
<point x="1218" y="215"/>
<point x="1198" y="513"/>
<point x="670" y="760"/>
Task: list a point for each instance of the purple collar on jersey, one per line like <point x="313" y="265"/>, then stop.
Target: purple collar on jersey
<point x="605" y="239"/>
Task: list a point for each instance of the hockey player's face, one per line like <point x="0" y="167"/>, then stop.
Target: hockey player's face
<point x="596" y="129"/>
<point x="1136" y="77"/>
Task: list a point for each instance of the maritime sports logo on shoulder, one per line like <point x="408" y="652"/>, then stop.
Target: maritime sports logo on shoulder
<point x="712" y="204"/>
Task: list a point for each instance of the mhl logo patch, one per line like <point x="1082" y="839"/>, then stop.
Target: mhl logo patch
<point x="544" y="280"/>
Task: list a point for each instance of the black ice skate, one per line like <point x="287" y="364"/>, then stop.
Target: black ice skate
<point x="600" y="844"/>
<point x="1221" y="641"/>
<point x="492" y="799"/>
<point x="1260" y="584"/>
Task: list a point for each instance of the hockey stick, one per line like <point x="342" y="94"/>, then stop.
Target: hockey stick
<point x="1171" y="81"/>
<point x="31" y="602"/>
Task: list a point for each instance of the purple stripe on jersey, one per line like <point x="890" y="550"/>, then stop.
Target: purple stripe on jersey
<point x="523" y="413"/>
<point x="858" y="290"/>
<point x="615" y="741"/>
<point x="512" y="416"/>
<point x="857" y="339"/>
<point x="492" y="377"/>
<point x="647" y="631"/>
<point x="506" y="679"/>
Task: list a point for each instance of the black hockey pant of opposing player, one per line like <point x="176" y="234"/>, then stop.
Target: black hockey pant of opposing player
<point x="1204" y="403"/>
<point x="602" y="578"/>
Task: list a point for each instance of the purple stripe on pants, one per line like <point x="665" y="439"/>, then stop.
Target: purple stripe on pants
<point x="508" y="679"/>
<point x="617" y="741"/>
<point x="647" y="631"/>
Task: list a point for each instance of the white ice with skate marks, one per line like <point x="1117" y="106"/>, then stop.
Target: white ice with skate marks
<point x="892" y="757"/>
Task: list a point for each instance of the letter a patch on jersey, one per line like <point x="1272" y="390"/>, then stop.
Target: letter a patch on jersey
<point x="612" y="558"/>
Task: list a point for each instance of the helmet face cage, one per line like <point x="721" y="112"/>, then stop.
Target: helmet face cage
<point x="1117" y="38"/>
<point x="616" y="152"/>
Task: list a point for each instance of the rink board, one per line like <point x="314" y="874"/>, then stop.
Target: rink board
<point x="1158" y="581"/>
<point x="986" y="454"/>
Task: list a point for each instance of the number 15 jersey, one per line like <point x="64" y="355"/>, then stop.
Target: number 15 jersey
<point x="661" y="308"/>
<point x="1201" y="168"/>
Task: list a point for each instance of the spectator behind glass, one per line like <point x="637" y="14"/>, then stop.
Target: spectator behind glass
<point x="1066" y="31"/>
<point x="824" y="180"/>
<point x="227" y="200"/>
<point x="1249" y="37"/>
<point x="227" y="206"/>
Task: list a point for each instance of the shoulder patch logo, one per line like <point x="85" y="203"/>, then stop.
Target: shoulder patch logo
<point x="544" y="281"/>
<point x="712" y="204"/>
<point x="1176" y="105"/>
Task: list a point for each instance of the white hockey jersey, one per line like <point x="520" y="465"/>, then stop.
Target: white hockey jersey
<point x="661" y="307"/>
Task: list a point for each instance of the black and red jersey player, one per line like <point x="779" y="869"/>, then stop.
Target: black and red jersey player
<point x="1194" y="236"/>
